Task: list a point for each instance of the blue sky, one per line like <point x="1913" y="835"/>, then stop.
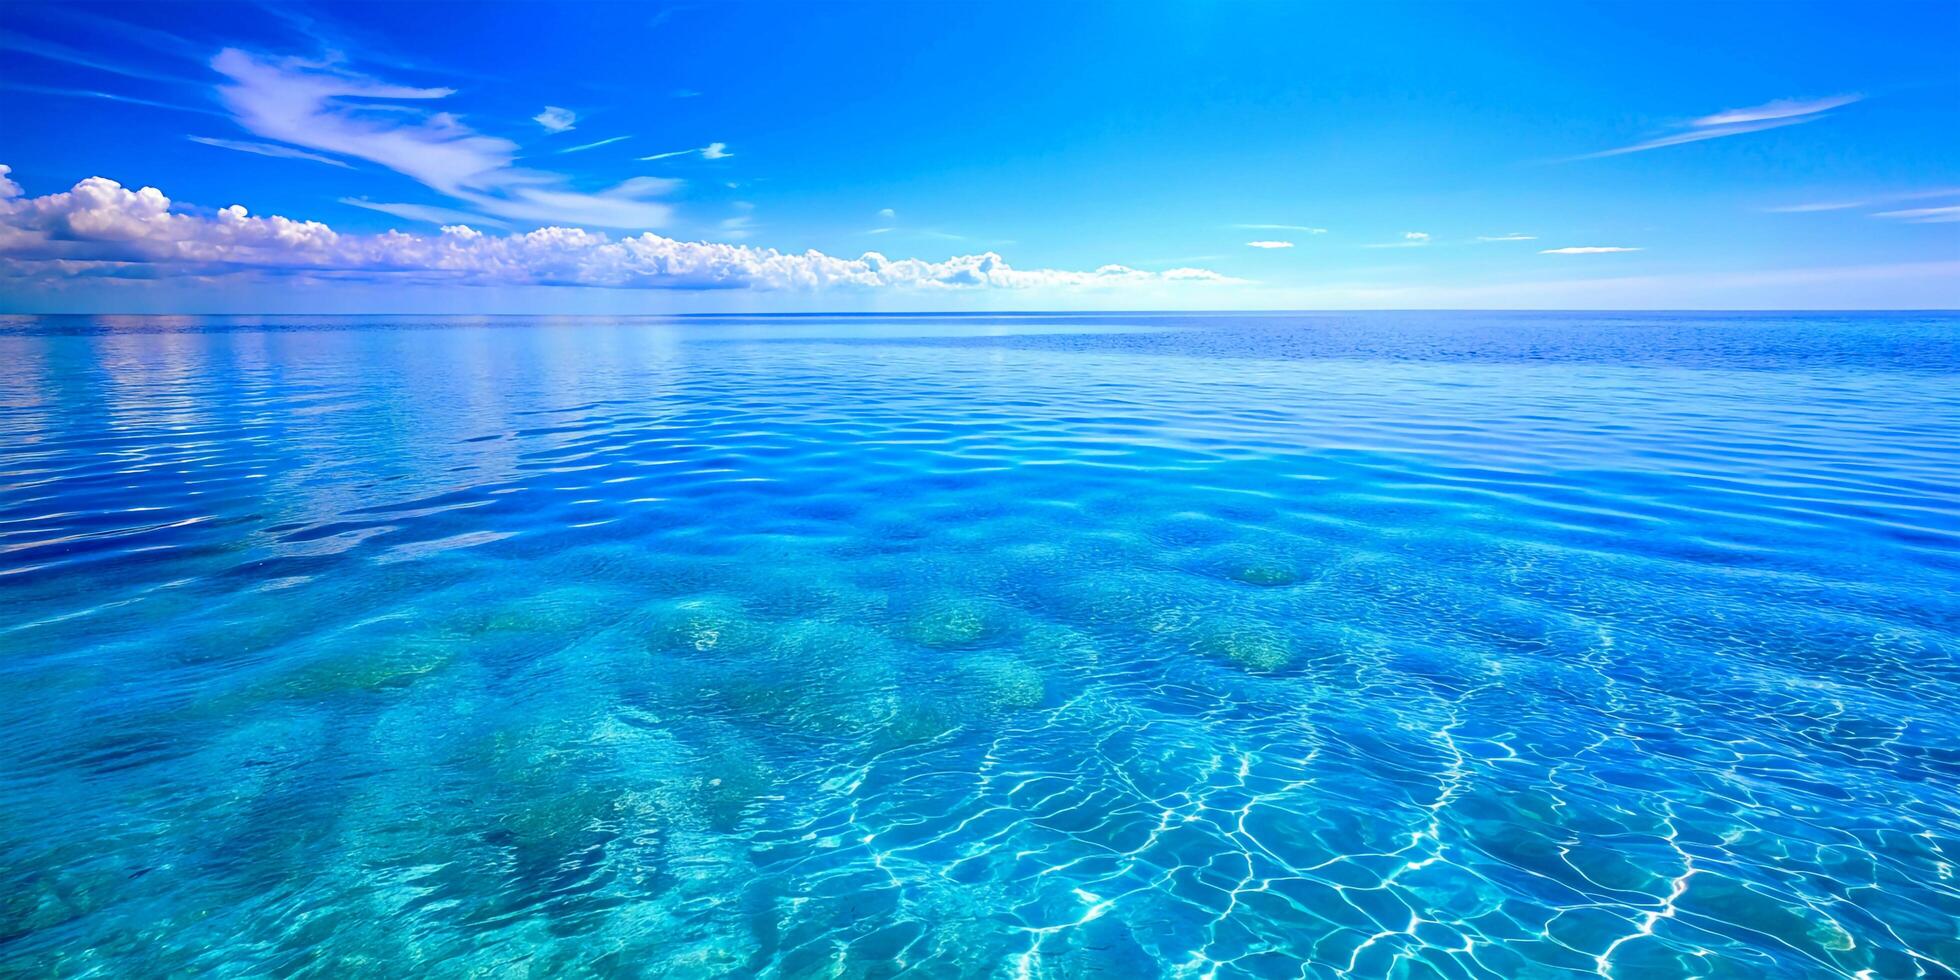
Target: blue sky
<point x="620" y="158"/>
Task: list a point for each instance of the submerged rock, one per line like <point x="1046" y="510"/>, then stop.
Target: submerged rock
<point x="953" y="621"/>
<point x="1253" y="645"/>
<point x="568" y="610"/>
<point x="711" y="625"/>
<point x="996" y="684"/>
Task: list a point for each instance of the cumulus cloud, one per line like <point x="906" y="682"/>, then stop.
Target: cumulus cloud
<point x="100" y="228"/>
<point x="1735" y="122"/>
<point x="266" y="150"/>
<point x="323" y="108"/>
<point x="1270" y="244"/>
<point x="1585" y="250"/>
<point x="556" y="119"/>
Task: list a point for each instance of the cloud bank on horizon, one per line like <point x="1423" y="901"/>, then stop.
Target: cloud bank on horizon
<point x="543" y="145"/>
<point x="101" y="229"/>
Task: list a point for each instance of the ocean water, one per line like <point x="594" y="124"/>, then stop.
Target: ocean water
<point x="1383" y="645"/>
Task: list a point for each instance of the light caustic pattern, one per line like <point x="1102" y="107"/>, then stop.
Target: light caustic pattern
<point x="1385" y="646"/>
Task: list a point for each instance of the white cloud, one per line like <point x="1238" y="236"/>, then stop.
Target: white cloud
<point x="1778" y="109"/>
<point x="424" y="212"/>
<point x="266" y="150"/>
<point x="1846" y="204"/>
<point x="1513" y="237"/>
<point x="556" y="119"/>
<point x="1816" y="206"/>
<point x="1410" y="239"/>
<point x="594" y="145"/>
<point x="1585" y="250"/>
<point x="1735" y="122"/>
<point x="713" y="151"/>
<point x="324" y="108"/>
<point x="1270" y="244"/>
<point x="100" y="228"/>
<point x="1923" y="216"/>
<point x="1305" y="229"/>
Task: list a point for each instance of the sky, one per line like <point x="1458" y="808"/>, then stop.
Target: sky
<point x="620" y="158"/>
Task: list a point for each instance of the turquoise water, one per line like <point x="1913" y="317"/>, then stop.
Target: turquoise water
<point x="1387" y="645"/>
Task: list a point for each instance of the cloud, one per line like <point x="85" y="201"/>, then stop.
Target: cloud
<point x="1735" y="122"/>
<point x="1270" y="244"/>
<point x="1585" y="250"/>
<point x="424" y="212"/>
<point x="76" y="93"/>
<point x="52" y="51"/>
<point x="556" y="119"/>
<point x="100" y="228"/>
<point x="1778" y="109"/>
<point x="1513" y="237"/>
<point x="713" y="151"/>
<point x="1923" y="216"/>
<point x="887" y="213"/>
<point x="1306" y="229"/>
<point x="594" y="145"/>
<point x="1410" y="239"/>
<point x="267" y="150"/>
<point x="1864" y="202"/>
<point x="323" y="108"/>
<point x="741" y="224"/>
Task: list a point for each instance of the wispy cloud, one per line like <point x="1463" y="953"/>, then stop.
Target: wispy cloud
<point x="267" y="150"/>
<point x="325" y="108"/>
<point x="594" y="145"/>
<point x="424" y="212"/>
<point x="99" y="228"/>
<point x="1304" y="229"/>
<point x="78" y="93"/>
<point x="1735" y="122"/>
<point x="1410" y="239"/>
<point x="1586" y="250"/>
<point x="556" y="119"/>
<point x="52" y="51"/>
<point x="1513" y="237"/>
<point x="741" y="224"/>
<point x="1922" y="216"/>
<point x="1872" y="200"/>
<point x="713" y="151"/>
<point x="1270" y="244"/>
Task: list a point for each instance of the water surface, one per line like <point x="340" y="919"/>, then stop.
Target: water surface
<point x="1385" y="645"/>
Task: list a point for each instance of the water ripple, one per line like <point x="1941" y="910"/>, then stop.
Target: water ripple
<point x="1207" y="646"/>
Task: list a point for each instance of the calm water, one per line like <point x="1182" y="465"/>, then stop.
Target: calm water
<point x="1410" y="645"/>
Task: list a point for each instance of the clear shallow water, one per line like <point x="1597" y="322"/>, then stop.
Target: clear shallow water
<point x="1414" y="645"/>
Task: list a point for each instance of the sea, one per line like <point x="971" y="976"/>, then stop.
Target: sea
<point x="1303" y="645"/>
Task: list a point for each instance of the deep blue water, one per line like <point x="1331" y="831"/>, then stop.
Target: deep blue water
<point x="1411" y="645"/>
